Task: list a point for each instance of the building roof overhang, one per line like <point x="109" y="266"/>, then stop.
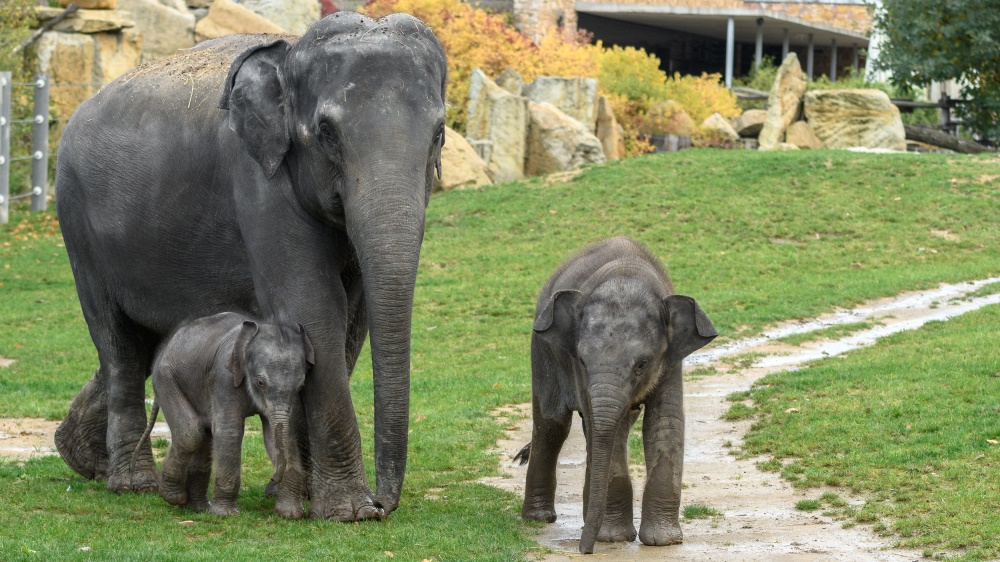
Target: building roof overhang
<point x="712" y="22"/>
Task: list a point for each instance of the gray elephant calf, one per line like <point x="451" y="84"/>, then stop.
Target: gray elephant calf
<point x="609" y="337"/>
<point x="209" y="377"/>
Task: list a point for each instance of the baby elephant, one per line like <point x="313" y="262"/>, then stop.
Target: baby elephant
<point x="609" y="337"/>
<point x="213" y="374"/>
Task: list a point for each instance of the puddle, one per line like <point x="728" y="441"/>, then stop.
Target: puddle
<point x="759" y="521"/>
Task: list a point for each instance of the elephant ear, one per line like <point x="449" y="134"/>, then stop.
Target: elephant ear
<point x="688" y="327"/>
<point x="255" y="96"/>
<point x="238" y="361"/>
<point x="307" y="343"/>
<point x="557" y="322"/>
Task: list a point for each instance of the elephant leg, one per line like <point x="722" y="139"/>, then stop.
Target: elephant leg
<point x="187" y="438"/>
<point x="663" y="442"/>
<point x="618" y="525"/>
<point x="227" y="450"/>
<point x="81" y="438"/>
<point x="550" y="427"/>
<point x="199" y="474"/>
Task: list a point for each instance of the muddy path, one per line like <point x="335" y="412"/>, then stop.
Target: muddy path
<point x="759" y="521"/>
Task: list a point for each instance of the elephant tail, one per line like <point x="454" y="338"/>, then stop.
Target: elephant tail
<point x="523" y="454"/>
<point x="145" y="436"/>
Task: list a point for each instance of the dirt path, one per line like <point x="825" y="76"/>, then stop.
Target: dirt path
<point x="759" y="521"/>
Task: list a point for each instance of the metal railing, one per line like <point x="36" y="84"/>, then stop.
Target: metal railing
<point x="39" y="155"/>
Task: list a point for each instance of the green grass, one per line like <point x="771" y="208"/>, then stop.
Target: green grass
<point x="698" y="511"/>
<point x="911" y="424"/>
<point x="757" y="238"/>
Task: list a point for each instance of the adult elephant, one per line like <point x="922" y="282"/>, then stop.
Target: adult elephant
<point x="299" y="196"/>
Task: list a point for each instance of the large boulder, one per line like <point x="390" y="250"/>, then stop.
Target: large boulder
<point x="461" y="166"/>
<point x="500" y="117"/>
<point x="226" y="18"/>
<point x="164" y="30"/>
<point x="91" y="4"/>
<point x="667" y="118"/>
<point x="557" y="142"/>
<point x="609" y="131"/>
<point x="86" y="20"/>
<point x="716" y="127"/>
<point x="850" y="118"/>
<point x="84" y="62"/>
<point x="784" y="102"/>
<point x="801" y="134"/>
<point x="576" y="97"/>
<point x="750" y="122"/>
<point x="512" y="81"/>
<point x="294" y="16"/>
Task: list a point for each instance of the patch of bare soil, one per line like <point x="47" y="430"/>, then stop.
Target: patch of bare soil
<point x="29" y="438"/>
<point x="759" y="521"/>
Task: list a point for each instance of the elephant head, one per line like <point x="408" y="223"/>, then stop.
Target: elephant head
<point x="272" y="361"/>
<point x="352" y="116"/>
<point x="624" y="335"/>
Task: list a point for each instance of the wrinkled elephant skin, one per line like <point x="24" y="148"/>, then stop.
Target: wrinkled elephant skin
<point x="609" y="339"/>
<point x="273" y="176"/>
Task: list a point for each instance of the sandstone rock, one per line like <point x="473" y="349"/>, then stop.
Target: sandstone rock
<point x="750" y="123"/>
<point x="164" y="30"/>
<point x="667" y="118"/>
<point x="91" y="4"/>
<point x="802" y="135"/>
<point x="576" y="97"/>
<point x="500" y="117"/>
<point x="783" y="104"/>
<point x="199" y="4"/>
<point x="717" y="126"/>
<point x="512" y="81"/>
<point x="461" y="166"/>
<point x="557" y="142"/>
<point x="86" y="21"/>
<point x="294" y="16"/>
<point x="68" y="58"/>
<point x="609" y="131"/>
<point x="849" y="118"/>
<point x="227" y="18"/>
<point x="783" y="146"/>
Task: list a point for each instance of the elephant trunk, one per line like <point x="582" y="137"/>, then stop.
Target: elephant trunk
<point x="386" y="225"/>
<point x="281" y="442"/>
<point x="607" y="413"/>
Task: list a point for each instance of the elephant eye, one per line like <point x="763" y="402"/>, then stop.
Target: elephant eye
<point x="261" y="383"/>
<point x="640" y="366"/>
<point x="326" y="134"/>
<point x="439" y="137"/>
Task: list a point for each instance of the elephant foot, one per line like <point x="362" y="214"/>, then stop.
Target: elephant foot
<point x="223" y="509"/>
<point x="81" y="438"/>
<point x="291" y="509"/>
<point x="660" y="534"/>
<point x="199" y="505"/>
<point x="142" y="479"/>
<point x="545" y="515"/>
<point x="271" y="490"/>
<point x="328" y="504"/>
<point x="616" y="532"/>
<point x="174" y="495"/>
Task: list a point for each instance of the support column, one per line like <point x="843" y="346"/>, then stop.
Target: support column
<point x="730" y="50"/>
<point x="758" y="52"/>
<point x="833" y="60"/>
<point x="810" y="57"/>
<point x="784" y="47"/>
<point x="855" y="57"/>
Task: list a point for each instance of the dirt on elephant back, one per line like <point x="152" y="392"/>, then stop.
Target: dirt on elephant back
<point x="758" y="520"/>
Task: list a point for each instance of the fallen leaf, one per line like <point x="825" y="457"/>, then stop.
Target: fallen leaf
<point x="389" y="554"/>
<point x="993" y="442"/>
<point x="186" y="523"/>
<point x="792" y="411"/>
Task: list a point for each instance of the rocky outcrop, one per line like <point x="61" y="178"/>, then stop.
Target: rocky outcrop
<point x="784" y="102"/>
<point x="164" y="30"/>
<point x="83" y="62"/>
<point x="557" y="142"/>
<point x="226" y="18"/>
<point x="717" y="127"/>
<point x="609" y="131"/>
<point x="667" y="118"/>
<point x="294" y="16"/>
<point x="576" y="97"/>
<point x="749" y="123"/>
<point x="91" y="4"/>
<point x="461" y="166"/>
<point x="802" y="135"/>
<point x="86" y="20"/>
<point x="855" y="118"/>
<point x="500" y="117"/>
<point x="511" y="80"/>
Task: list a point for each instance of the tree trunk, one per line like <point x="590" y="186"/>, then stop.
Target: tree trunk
<point x="944" y="140"/>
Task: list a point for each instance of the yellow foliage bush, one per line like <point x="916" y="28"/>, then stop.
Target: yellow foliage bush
<point x="702" y="96"/>
<point x="473" y="38"/>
